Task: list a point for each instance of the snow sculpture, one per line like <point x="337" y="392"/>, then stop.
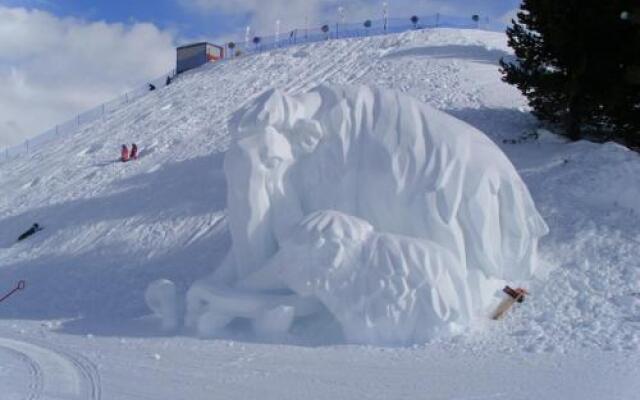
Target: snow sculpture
<point x="161" y="297"/>
<point x="395" y="218"/>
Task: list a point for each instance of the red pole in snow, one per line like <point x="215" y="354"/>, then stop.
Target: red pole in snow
<point x="21" y="285"/>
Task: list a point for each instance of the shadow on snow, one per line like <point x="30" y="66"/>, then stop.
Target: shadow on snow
<point x="107" y="280"/>
<point x="473" y="53"/>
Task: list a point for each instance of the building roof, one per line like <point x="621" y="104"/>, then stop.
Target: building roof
<point x="197" y="44"/>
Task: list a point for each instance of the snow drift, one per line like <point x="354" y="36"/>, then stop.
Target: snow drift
<point x="395" y="218"/>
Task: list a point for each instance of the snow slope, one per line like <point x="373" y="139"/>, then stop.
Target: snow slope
<point x="112" y="228"/>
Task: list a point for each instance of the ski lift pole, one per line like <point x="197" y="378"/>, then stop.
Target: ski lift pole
<point x="20" y="286"/>
<point x="385" y="15"/>
<point x="340" y="21"/>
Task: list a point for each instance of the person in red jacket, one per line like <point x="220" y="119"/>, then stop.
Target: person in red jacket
<point x="134" y="152"/>
<point x="124" y="154"/>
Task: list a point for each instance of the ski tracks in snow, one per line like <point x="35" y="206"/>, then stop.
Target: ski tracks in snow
<point x="35" y="385"/>
<point x="345" y="61"/>
<point x="55" y="373"/>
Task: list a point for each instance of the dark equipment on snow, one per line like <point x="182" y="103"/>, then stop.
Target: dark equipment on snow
<point x="517" y="294"/>
<point x="20" y="286"/>
<point x="34" y="228"/>
<point x="514" y="295"/>
<point x="168" y="81"/>
<point x="152" y="87"/>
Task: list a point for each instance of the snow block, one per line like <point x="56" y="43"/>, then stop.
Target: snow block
<point x="161" y="298"/>
<point x="396" y="218"/>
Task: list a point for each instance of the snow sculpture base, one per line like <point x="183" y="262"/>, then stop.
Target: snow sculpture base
<point x="397" y="220"/>
<point x="161" y="297"/>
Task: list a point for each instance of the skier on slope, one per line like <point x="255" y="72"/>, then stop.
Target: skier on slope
<point x="124" y="153"/>
<point x="34" y="228"/>
<point x="134" y="152"/>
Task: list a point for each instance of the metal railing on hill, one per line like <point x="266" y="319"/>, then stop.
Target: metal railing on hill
<point x="74" y="124"/>
<point x="259" y="44"/>
<point x="340" y="30"/>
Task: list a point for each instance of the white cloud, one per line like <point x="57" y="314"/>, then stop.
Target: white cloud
<point x="53" y="68"/>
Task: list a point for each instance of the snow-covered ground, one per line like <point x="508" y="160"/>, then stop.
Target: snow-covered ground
<point x="81" y="329"/>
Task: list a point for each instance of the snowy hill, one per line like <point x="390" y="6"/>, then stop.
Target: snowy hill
<point x="111" y="228"/>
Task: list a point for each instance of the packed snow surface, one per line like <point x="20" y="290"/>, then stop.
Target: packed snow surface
<point x="399" y="219"/>
<point x="81" y="328"/>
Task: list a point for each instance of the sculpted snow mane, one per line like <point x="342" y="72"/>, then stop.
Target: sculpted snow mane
<point x="397" y="219"/>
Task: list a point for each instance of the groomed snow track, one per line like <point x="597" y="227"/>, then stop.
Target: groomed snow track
<point x="54" y="373"/>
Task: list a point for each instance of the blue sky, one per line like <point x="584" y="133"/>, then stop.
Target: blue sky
<point x="59" y="58"/>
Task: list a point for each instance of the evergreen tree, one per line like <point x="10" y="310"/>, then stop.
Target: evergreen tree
<point x="573" y="59"/>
